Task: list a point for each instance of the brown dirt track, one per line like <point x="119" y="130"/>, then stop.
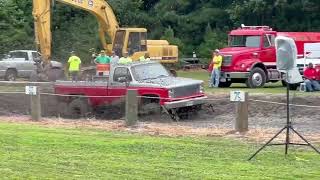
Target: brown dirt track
<point x="264" y="118"/>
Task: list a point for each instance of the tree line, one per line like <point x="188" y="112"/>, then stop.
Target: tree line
<point x="193" y="25"/>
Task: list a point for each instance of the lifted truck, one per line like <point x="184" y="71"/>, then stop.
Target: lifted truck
<point x="155" y="86"/>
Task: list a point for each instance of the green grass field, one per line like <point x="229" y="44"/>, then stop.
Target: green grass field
<point x="34" y="152"/>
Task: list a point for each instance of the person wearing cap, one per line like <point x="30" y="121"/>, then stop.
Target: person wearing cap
<point x="114" y="58"/>
<point x="216" y="64"/>
<point x="125" y="59"/>
<point x="146" y="57"/>
<point x="102" y="58"/>
<point x="310" y="75"/>
<point x="74" y="66"/>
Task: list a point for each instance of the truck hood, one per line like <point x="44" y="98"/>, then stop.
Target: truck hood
<point x="170" y="82"/>
<point x="237" y="50"/>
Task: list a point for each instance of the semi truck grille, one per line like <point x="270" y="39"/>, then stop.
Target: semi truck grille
<point x="186" y="91"/>
<point x="226" y="61"/>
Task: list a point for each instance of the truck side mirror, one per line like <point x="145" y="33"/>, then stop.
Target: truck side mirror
<point x="7" y="56"/>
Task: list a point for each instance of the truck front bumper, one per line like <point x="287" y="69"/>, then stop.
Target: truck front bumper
<point x="185" y="102"/>
<point x="227" y="76"/>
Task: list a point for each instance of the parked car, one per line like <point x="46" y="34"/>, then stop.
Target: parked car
<point x="21" y="64"/>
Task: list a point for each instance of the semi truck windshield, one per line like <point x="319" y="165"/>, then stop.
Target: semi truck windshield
<point x="244" y="41"/>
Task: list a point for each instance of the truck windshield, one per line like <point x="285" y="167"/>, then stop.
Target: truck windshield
<point x="244" y="41"/>
<point x="149" y="71"/>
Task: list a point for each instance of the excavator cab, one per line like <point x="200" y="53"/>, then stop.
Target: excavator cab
<point x="131" y="40"/>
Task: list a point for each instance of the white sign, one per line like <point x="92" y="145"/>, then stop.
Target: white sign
<point x="237" y="96"/>
<point x="31" y="90"/>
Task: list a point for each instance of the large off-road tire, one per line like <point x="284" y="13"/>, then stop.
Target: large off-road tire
<point x="257" y="78"/>
<point x="149" y="106"/>
<point x="225" y="84"/>
<point x="11" y="75"/>
<point x="63" y="110"/>
<point x="78" y="108"/>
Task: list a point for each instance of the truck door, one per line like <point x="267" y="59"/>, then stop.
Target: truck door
<point x="20" y="61"/>
<point x="119" y="83"/>
<point x="268" y="52"/>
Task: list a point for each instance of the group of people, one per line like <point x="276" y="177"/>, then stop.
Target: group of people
<point x="74" y="62"/>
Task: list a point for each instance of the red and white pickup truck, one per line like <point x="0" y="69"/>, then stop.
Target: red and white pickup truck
<point x="155" y="86"/>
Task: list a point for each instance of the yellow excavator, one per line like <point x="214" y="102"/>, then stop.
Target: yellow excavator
<point x="131" y="40"/>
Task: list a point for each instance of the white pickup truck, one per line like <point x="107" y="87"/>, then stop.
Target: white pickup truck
<point x="22" y="64"/>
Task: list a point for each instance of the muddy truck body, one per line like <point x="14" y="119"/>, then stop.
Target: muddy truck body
<point x="156" y="89"/>
<point x="251" y="55"/>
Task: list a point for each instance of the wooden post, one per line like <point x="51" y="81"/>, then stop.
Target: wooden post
<point x="241" y="124"/>
<point x="131" y="107"/>
<point x="35" y="105"/>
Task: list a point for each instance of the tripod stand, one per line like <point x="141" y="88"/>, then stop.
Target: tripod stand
<point x="286" y="128"/>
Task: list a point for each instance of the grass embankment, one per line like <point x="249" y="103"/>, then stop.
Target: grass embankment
<point x="34" y="152"/>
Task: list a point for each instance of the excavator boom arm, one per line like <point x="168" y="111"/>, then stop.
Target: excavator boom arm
<point x="107" y="20"/>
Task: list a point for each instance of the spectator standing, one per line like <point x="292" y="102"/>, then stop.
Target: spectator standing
<point x="114" y="58"/>
<point x="74" y="66"/>
<point x="102" y="58"/>
<point x="216" y="65"/>
<point x="125" y="59"/>
<point x="146" y="57"/>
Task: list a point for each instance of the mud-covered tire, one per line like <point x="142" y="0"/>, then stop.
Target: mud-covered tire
<point x="63" y="110"/>
<point x="257" y="78"/>
<point x="225" y="84"/>
<point x="150" y="108"/>
<point x="11" y="75"/>
<point x="78" y="108"/>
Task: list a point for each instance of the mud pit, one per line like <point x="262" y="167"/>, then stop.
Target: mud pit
<point x="261" y="115"/>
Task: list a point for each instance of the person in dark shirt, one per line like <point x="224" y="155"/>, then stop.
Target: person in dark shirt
<point x="311" y="79"/>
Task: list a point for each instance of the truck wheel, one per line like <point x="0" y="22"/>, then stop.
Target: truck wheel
<point x="225" y="84"/>
<point x="256" y="79"/>
<point x="11" y="75"/>
<point x="63" y="110"/>
<point x="150" y="105"/>
<point x="78" y="108"/>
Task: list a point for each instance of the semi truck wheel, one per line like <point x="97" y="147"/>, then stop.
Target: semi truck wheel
<point x="256" y="79"/>
<point x="78" y="108"/>
<point x="11" y="75"/>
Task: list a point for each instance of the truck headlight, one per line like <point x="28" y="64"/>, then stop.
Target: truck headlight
<point x="201" y="88"/>
<point x="171" y="93"/>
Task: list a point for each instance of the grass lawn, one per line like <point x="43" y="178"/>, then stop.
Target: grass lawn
<point x="276" y="88"/>
<point x="34" y="152"/>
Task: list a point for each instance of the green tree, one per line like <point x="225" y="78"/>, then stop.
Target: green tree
<point x="211" y="40"/>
